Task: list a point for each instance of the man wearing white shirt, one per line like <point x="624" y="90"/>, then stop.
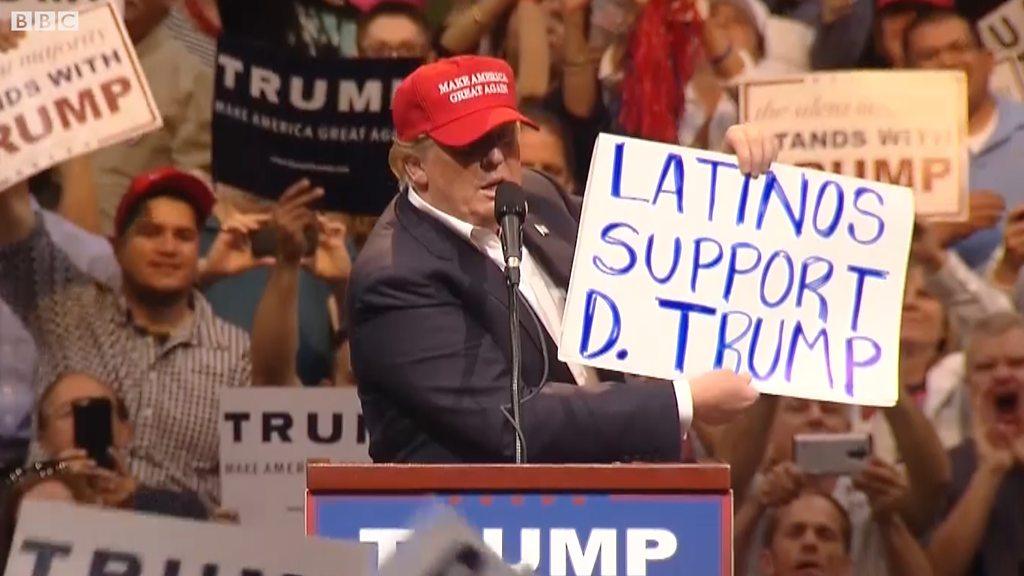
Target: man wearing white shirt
<point x="428" y="301"/>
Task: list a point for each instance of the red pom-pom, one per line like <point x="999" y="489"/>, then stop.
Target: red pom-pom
<point x="662" y="56"/>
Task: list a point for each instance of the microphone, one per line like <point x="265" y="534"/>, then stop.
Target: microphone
<point x="510" y="213"/>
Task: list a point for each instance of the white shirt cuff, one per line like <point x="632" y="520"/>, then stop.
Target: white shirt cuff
<point x="684" y="402"/>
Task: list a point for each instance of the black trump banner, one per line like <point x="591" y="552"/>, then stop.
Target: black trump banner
<point x="278" y="119"/>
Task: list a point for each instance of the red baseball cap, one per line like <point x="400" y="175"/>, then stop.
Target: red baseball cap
<point x="456" y="100"/>
<point x="368" y="5"/>
<point x="880" y="4"/>
<point x="163" y="180"/>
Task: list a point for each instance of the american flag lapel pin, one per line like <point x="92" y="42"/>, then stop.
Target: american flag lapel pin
<point x="542" y="229"/>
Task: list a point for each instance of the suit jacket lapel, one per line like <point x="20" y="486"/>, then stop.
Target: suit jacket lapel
<point x="444" y="243"/>
<point x="553" y="252"/>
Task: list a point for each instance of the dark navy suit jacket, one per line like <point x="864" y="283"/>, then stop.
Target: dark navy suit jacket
<point x="430" y="349"/>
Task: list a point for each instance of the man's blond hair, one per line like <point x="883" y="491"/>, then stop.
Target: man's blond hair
<point x="401" y="151"/>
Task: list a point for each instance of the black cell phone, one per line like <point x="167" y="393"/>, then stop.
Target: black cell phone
<point x="94" y="429"/>
<point x="264" y="241"/>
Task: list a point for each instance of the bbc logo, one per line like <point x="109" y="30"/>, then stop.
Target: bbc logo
<point x="45" y="21"/>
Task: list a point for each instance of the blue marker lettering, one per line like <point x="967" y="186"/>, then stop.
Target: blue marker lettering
<point x="617" y="174"/>
<point x="858" y="195"/>
<point x="741" y="209"/>
<point x="714" y="183"/>
<point x="726" y="344"/>
<point x="858" y="290"/>
<point x="736" y="269"/>
<point x="684" y="309"/>
<point x="814" y="285"/>
<point x="851" y="359"/>
<point x="590" y="311"/>
<point x="677" y="250"/>
<point x="700" y="263"/>
<point x="798" y="335"/>
<point x="837" y="213"/>
<point x="772" y="189"/>
<point x="790" y="276"/>
<point x="606" y="236"/>
<point x="673" y="163"/>
<point x="755" y="345"/>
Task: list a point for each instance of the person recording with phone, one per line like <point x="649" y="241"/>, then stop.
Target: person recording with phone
<point x="810" y="444"/>
<point x="155" y="339"/>
<point x="240" y="274"/>
<point x="82" y="421"/>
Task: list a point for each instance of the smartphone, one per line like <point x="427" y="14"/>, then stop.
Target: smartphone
<point x="264" y="241"/>
<point x="94" y="429"/>
<point x="832" y="454"/>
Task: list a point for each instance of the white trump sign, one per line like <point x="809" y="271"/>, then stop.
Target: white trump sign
<point x="56" y="538"/>
<point x="266" y="437"/>
<point x="684" y="265"/>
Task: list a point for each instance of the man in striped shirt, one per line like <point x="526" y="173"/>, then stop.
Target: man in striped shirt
<point x="155" y="340"/>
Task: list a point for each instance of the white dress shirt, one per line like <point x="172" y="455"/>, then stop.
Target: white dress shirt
<point x="545" y="298"/>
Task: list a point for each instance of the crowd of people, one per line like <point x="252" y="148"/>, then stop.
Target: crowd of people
<point x="128" y="275"/>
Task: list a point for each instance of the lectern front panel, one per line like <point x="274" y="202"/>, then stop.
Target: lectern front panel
<point x="567" y="533"/>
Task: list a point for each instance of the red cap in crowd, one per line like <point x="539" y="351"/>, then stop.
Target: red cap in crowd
<point x="367" y="5"/>
<point x="162" y="181"/>
<point x="456" y="100"/>
<point x="880" y="4"/>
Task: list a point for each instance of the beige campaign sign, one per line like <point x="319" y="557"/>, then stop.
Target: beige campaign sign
<point x="63" y="94"/>
<point x="907" y="128"/>
<point x="1008" y="79"/>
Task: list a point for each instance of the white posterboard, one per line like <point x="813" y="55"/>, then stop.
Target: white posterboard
<point x="56" y="539"/>
<point x="907" y="128"/>
<point x="1002" y="30"/>
<point x="1008" y="79"/>
<point x="67" y="93"/>
<point x="683" y="265"/>
<point x="266" y="437"/>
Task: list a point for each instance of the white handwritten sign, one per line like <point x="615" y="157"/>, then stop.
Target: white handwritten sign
<point x="1002" y="30"/>
<point x="8" y="6"/>
<point x="906" y="128"/>
<point x="56" y="538"/>
<point x="68" y="93"/>
<point x="684" y="265"/>
<point x="266" y="437"/>
<point x="1007" y="79"/>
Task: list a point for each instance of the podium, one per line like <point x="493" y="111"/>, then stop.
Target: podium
<point x="619" y="519"/>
